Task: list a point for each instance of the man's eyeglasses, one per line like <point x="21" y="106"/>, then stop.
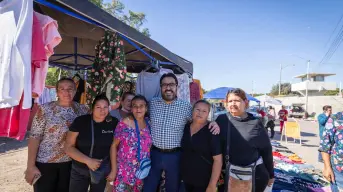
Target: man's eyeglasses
<point x="171" y="85"/>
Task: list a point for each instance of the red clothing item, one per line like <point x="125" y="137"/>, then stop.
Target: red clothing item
<point x="262" y="113"/>
<point x="14" y="121"/>
<point x="283" y="114"/>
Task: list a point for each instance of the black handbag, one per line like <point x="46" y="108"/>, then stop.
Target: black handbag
<point x="105" y="166"/>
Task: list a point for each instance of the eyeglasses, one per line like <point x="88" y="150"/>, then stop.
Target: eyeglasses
<point x="171" y="85"/>
<point x="66" y="90"/>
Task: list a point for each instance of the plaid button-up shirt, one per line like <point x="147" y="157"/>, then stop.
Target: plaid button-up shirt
<point x="168" y="122"/>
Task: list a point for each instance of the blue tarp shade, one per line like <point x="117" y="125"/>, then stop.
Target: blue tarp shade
<point x="220" y="93"/>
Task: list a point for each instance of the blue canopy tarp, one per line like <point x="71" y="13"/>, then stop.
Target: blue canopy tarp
<point x="220" y="93"/>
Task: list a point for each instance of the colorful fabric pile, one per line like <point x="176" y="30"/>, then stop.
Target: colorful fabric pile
<point x="293" y="174"/>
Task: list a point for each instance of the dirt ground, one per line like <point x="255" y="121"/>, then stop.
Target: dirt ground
<point x="13" y="157"/>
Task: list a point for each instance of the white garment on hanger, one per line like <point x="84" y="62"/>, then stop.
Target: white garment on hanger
<point x="183" y="91"/>
<point x="16" y="20"/>
<point x="148" y="84"/>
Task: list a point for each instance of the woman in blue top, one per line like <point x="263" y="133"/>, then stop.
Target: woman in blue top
<point x="331" y="148"/>
<point x="322" y="119"/>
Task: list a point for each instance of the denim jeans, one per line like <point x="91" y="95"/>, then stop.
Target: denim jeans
<point x="320" y="158"/>
<point x="338" y="185"/>
<point x="170" y="163"/>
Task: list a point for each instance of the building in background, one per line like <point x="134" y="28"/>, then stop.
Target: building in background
<point x="316" y="85"/>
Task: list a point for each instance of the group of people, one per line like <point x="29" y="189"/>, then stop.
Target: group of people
<point x="72" y="148"/>
<point x="269" y="118"/>
<point x="331" y="147"/>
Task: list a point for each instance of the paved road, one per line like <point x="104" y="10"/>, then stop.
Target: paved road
<point x="308" y="151"/>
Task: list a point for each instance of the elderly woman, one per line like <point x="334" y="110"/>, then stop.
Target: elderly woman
<point x="48" y="166"/>
<point x="247" y="145"/>
<point x="88" y="143"/>
<point x="126" y="153"/>
<point x="331" y="150"/>
<point x="201" y="157"/>
<point x="125" y="106"/>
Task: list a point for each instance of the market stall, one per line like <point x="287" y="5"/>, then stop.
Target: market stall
<point x="77" y="35"/>
<point x="220" y="93"/>
<point x="293" y="174"/>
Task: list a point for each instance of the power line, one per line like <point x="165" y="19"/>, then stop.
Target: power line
<point x="339" y="21"/>
<point x="334" y="46"/>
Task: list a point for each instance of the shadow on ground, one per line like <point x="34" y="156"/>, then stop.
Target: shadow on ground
<point x="8" y="144"/>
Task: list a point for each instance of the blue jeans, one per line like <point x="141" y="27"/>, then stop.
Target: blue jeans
<point x="338" y="181"/>
<point x="320" y="158"/>
<point x="170" y="163"/>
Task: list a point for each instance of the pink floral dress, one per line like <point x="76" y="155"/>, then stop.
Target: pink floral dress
<point x="127" y="156"/>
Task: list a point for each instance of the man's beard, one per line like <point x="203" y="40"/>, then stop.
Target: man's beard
<point x="169" y="96"/>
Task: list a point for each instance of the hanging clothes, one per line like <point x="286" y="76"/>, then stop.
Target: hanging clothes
<point x="14" y="121"/>
<point x="109" y="69"/>
<point x="194" y="92"/>
<point x="183" y="92"/>
<point x="148" y="84"/>
<point x="48" y="95"/>
<point x="51" y="38"/>
<point x="38" y="55"/>
<point x="15" y="60"/>
<point x="200" y="88"/>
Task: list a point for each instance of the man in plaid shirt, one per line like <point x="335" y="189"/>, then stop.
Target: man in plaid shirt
<point x="168" y="116"/>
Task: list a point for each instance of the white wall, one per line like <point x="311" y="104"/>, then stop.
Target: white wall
<point x="314" y="85"/>
<point x="315" y="103"/>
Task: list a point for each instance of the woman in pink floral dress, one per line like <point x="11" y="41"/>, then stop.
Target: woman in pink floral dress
<point x="124" y="148"/>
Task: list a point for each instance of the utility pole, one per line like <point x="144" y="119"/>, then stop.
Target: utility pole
<point x="280" y="79"/>
<point x="307" y="81"/>
<point x="252" y="92"/>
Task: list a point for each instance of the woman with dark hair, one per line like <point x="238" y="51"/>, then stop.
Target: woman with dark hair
<point x="48" y="166"/>
<point x="125" y="106"/>
<point x="131" y="145"/>
<point x="201" y="157"/>
<point x="80" y="87"/>
<point x="246" y="143"/>
<point x="88" y="143"/>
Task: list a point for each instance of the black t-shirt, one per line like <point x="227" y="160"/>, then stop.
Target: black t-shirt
<point x="103" y="136"/>
<point x="196" y="170"/>
<point x="249" y="141"/>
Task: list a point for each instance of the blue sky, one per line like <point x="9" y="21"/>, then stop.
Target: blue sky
<point x="234" y="42"/>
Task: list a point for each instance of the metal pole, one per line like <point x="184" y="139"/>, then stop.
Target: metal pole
<point x="280" y="80"/>
<point x="307" y="81"/>
<point x="253" y="88"/>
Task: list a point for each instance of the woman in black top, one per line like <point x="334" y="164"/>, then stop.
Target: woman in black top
<point x="248" y="140"/>
<point x="79" y="141"/>
<point x="201" y="158"/>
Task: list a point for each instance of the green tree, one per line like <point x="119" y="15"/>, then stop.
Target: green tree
<point x="285" y="89"/>
<point x="133" y="19"/>
<point x="332" y="93"/>
<point x="53" y="75"/>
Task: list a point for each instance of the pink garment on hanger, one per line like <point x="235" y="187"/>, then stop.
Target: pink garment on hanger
<point x="15" y="121"/>
<point x="51" y="38"/>
<point x="38" y="55"/>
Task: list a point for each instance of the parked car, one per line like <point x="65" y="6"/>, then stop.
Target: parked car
<point x="297" y="110"/>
